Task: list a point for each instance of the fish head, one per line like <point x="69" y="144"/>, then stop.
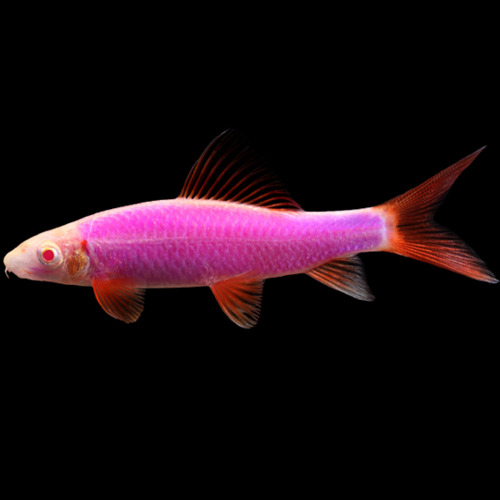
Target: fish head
<point x="59" y="256"/>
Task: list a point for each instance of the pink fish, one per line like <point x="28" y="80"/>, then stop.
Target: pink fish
<point x="232" y="227"/>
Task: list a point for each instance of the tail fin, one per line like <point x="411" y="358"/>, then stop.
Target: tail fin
<point x="413" y="232"/>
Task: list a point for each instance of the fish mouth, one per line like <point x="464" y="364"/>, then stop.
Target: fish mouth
<point x="6" y="260"/>
<point x="9" y="262"/>
<point x="16" y="263"/>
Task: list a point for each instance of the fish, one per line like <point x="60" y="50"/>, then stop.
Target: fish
<point x="233" y="226"/>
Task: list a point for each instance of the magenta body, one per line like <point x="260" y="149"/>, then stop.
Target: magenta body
<point x="183" y="242"/>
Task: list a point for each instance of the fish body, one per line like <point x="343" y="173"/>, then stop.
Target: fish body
<point x="232" y="227"/>
<point x="184" y="243"/>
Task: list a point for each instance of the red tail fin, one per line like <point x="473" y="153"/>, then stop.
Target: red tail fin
<point x="413" y="232"/>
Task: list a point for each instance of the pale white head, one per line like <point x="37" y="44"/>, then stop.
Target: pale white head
<point x="59" y="255"/>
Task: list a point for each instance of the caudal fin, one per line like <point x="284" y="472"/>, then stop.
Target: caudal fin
<point x="413" y="232"/>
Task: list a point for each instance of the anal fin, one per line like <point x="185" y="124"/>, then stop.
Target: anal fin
<point x="345" y="275"/>
<point x="240" y="298"/>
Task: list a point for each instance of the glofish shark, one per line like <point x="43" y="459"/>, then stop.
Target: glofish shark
<point x="233" y="226"/>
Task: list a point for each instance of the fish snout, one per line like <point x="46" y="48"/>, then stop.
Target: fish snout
<point x="14" y="263"/>
<point x="7" y="262"/>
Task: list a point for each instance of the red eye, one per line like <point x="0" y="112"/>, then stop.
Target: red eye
<point x="48" y="255"/>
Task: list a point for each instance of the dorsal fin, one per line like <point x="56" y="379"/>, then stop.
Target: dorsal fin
<point x="229" y="170"/>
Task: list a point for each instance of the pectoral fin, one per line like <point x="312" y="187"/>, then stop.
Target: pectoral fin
<point x="119" y="298"/>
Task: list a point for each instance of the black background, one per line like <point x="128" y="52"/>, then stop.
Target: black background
<point x="108" y="109"/>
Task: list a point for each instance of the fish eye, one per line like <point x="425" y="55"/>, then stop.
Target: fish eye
<point x="49" y="254"/>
